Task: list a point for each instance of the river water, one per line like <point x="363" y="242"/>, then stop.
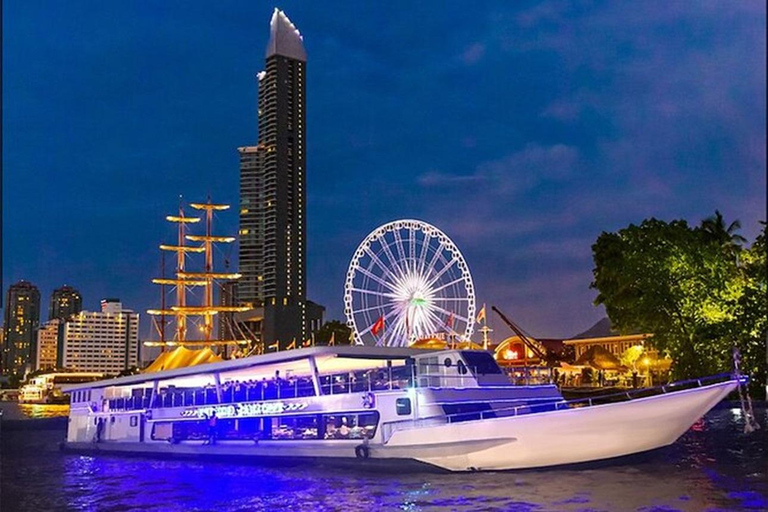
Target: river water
<point x="714" y="466"/>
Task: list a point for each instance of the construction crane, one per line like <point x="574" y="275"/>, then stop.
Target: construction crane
<point x="535" y="347"/>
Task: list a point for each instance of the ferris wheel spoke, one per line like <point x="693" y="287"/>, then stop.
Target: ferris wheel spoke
<point x="376" y="278"/>
<point x="434" y="321"/>
<point x="371" y="292"/>
<point x="450" y="299"/>
<point x="400" y="248"/>
<point x="370" y="327"/>
<point x="395" y="330"/>
<point x="424" y="252"/>
<point x="432" y="262"/>
<point x="430" y="323"/>
<point x="386" y="318"/>
<point x="446" y="285"/>
<point x="443" y="270"/>
<point x="371" y="308"/>
<point x="391" y="257"/>
<point x="447" y="312"/>
<point x="412" y="246"/>
<point x="380" y="263"/>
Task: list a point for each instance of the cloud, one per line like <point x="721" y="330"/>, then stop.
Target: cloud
<point x="512" y="174"/>
<point x="473" y="54"/>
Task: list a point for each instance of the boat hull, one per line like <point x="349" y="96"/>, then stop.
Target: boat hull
<point x="567" y="436"/>
<point x="536" y="440"/>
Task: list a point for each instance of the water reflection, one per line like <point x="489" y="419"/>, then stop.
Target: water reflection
<point x="715" y="466"/>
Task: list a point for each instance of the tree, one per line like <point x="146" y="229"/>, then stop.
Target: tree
<point x="696" y="289"/>
<point x="630" y="356"/>
<point x="335" y="328"/>
<point x="714" y="230"/>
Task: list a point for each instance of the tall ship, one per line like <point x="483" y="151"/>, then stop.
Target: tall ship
<point x="194" y="323"/>
<point x="449" y="409"/>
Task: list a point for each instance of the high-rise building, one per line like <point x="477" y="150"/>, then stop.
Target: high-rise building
<point x="273" y="194"/>
<point x="106" y="341"/>
<point x="48" y="344"/>
<point x="65" y="302"/>
<point x="22" y="316"/>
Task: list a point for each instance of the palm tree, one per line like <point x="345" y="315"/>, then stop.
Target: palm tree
<point x="714" y="230"/>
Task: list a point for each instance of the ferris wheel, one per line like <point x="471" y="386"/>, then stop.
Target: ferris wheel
<point x="408" y="281"/>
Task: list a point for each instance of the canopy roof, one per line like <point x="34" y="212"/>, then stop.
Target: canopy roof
<point x="360" y="352"/>
<point x="438" y="344"/>
<point x="182" y="357"/>
<point x="598" y="358"/>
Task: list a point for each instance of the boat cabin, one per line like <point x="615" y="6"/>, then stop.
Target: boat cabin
<point x="325" y="393"/>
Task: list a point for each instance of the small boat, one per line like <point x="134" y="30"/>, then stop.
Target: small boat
<point x="451" y="409"/>
<point x="46" y="388"/>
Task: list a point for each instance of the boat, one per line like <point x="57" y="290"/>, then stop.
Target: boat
<point x="449" y="409"/>
<point x="46" y="388"/>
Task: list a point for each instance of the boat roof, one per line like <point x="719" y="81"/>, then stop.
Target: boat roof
<point x="353" y="351"/>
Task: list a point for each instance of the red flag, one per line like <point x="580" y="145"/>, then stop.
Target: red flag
<point x="449" y="323"/>
<point x="378" y="326"/>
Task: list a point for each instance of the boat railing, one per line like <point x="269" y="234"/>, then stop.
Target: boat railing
<point x="419" y="375"/>
<point x="556" y="405"/>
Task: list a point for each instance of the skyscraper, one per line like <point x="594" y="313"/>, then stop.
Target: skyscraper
<point x="273" y="193"/>
<point x="22" y="316"/>
<point x="65" y="302"/>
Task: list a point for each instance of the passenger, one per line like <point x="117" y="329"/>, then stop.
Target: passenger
<point x="344" y="428"/>
<point x="99" y="429"/>
<point x="212" y="428"/>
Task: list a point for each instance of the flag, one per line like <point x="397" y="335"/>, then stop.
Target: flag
<point x="275" y="345"/>
<point x="449" y="323"/>
<point x="378" y="326"/>
<point x="332" y="341"/>
<point x="307" y="343"/>
<point x="292" y="345"/>
<point x="481" y="314"/>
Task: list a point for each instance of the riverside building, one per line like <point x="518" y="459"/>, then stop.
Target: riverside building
<point x="105" y="341"/>
<point x="48" y="343"/>
<point x="65" y="302"/>
<point x="22" y="316"/>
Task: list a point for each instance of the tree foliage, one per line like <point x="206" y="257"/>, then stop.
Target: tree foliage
<point x="697" y="289"/>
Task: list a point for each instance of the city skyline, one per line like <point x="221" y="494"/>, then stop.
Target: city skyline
<point x="540" y="137"/>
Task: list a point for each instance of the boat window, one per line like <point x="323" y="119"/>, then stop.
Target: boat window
<point x="296" y="427"/>
<point x="462" y="368"/>
<point x="403" y="406"/>
<point x="481" y="363"/>
<point x="448" y="362"/>
<point x="351" y="426"/>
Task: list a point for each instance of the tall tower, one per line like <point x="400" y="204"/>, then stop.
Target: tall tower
<point x="273" y="193"/>
<point x="65" y="302"/>
<point x="22" y="316"/>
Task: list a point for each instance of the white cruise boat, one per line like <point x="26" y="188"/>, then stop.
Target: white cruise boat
<point x="450" y="409"/>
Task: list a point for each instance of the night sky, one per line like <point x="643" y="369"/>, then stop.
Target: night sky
<point x="522" y="130"/>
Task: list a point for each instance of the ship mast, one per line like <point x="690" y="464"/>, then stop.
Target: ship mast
<point x="207" y="279"/>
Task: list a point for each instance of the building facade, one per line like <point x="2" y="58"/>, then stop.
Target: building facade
<point x="273" y="221"/>
<point x="65" y="302"/>
<point x="106" y="341"/>
<point x="21" y="319"/>
<point x="48" y="344"/>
